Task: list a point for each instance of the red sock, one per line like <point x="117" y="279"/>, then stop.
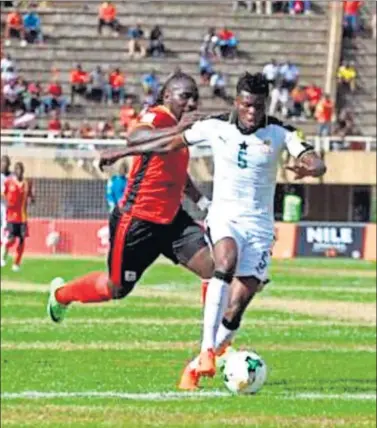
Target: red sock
<point x="19" y="252"/>
<point x="10" y="244"/>
<point x="205" y="283"/>
<point x="91" y="288"/>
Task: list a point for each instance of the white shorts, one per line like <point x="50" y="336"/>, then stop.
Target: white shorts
<point x="254" y="253"/>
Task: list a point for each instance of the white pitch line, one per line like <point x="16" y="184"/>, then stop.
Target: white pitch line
<point x="169" y="396"/>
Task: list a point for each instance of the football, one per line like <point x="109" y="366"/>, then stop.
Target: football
<point x="244" y="372"/>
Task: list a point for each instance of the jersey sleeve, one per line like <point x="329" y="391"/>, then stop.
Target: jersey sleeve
<point x="295" y="142"/>
<point x="200" y="132"/>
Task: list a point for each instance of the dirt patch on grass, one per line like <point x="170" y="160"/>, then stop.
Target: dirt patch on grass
<point x="345" y="311"/>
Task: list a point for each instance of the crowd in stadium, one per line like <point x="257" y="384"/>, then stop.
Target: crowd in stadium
<point x="31" y="100"/>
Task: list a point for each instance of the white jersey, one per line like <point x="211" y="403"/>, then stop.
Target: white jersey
<point x="245" y="168"/>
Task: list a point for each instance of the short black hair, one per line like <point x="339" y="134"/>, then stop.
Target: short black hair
<point x="178" y="75"/>
<point x="19" y="165"/>
<point x="253" y="83"/>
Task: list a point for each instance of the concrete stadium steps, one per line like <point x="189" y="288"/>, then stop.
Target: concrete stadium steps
<point x="194" y="19"/>
<point x="42" y="69"/>
<point x="72" y="37"/>
<point x="74" y="54"/>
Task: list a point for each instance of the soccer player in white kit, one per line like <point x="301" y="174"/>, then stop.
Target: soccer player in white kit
<point x="5" y="173"/>
<point x="246" y="148"/>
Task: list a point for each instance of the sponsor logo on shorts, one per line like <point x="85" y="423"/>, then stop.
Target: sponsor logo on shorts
<point x="130" y="276"/>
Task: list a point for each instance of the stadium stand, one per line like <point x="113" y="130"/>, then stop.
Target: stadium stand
<point x="71" y="37"/>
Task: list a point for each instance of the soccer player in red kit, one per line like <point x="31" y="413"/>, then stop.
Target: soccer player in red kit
<point x="17" y="193"/>
<point x="149" y="221"/>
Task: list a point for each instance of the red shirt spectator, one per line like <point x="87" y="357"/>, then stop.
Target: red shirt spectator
<point x="55" y="89"/>
<point x="314" y="94"/>
<point x="352" y="7"/>
<point x="127" y="115"/>
<point x="107" y="12"/>
<point x="14" y="20"/>
<point x="324" y="110"/>
<point x="225" y="34"/>
<point x="116" y="79"/>
<point x="54" y="124"/>
<point x="79" y="76"/>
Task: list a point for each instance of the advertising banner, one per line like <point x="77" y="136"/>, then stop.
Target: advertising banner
<point x="330" y="240"/>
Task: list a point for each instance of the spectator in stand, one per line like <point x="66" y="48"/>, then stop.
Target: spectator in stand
<point x="323" y="114"/>
<point x="271" y="72"/>
<point x="136" y="43"/>
<point x="347" y="76"/>
<point x="244" y="3"/>
<point x="24" y="120"/>
<point x="267" y="6"/>
<point x="8" y="69"/>
<point x="97" y="84"/>
<point x="33" y="98"/>
<point x="86" y="130"/>
<point x="8" y="74"/>
<point x="149" y="99"/>
<point x="289" y="74"/>
<point x="151" y="83"/>
<point x="32" y="26"/>
<point x="107" y="16"/>
<point x="115" y="87"/>
<point x="107" y="129"/>
<point x="54" y="124"/>
<point x="14" y="28"/>
<point x="67" y="131"/>
<point x="11" y="95"/>
<point x="298" y="96"/>
<point x="351" y="17"/>
<point x="210" y="43"/>
<point x="156" y="42"/>
<point x="313" y="96"/>
<point x="79" y="81"/>
<point x="345" y="124"/>
<point x="228" y="43"/>
<point x="54" y="98"/>
<point x="116" y="186"/>
<point x="205" y="68"/>
<point x="300" y="6"/>
<point x="279" y="99"/>
<point x="218" y="85"/>
<point x="128" y="114"/>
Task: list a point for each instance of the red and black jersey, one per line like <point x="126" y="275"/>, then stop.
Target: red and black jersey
<point x="156" y="181"/>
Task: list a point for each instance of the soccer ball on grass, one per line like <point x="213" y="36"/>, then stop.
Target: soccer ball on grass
<point x="244" y="372"/>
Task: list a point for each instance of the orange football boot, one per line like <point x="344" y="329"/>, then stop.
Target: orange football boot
<point x="189" y="380"/>
<point x="207" y="363"/>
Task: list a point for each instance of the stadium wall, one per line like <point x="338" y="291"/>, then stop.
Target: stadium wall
<point x="311" y="239"/>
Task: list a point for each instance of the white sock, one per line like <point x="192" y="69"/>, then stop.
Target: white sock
<point x="3" y="252"/>
<point x="216" y="303"/>
<point x="223" y="336"/>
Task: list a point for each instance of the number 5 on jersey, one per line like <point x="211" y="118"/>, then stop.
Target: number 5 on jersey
<point x="242" y="161"/>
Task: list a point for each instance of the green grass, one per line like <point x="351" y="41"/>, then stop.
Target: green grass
<point x="141" y="344"/>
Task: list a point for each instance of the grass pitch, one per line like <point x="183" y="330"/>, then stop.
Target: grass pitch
<point x="117" y="364"/>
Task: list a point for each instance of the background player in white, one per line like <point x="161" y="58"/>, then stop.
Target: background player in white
<point x="5" y="173"/>
<point x="246" y="147"/>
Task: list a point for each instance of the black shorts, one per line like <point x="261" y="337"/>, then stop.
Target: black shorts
<point x="17" y="230"/>
<point x="135" y="244"/>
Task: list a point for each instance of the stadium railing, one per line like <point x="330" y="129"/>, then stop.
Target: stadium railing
<point x="49" y="141"/>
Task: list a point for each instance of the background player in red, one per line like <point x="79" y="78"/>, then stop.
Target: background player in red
<point x="17" y="193"/>
<point x="149" y="221"/>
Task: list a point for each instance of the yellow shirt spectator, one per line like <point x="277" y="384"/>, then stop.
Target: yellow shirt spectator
<point x="347" y="73"/>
